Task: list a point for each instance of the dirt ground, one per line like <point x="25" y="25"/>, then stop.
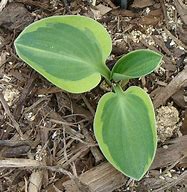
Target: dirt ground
<point x="46" y="137"/>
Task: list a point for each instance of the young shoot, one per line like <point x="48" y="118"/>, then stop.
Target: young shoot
<point x="71" y="52"/>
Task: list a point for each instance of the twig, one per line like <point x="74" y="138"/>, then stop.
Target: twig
<point x="7" y="111"/>
<point x="33" y="164"/>
<point x="34" y="105"/>
<point x="91" y="109"/>
<point x="24" y="94"/>
<point x="173" y="165"/>
<point x="26" y="184"/>
<point x="95" y="151"/>
<point x="81" y="187"/>
<point x="56" y="189"/>
<point x="172" y="183"/>
<point x="65" y="148"/>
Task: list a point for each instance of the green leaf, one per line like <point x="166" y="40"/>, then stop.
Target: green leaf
<point x="124" y="127"/>
<point x="136" y="64"/>
<point x="69" y="51"/>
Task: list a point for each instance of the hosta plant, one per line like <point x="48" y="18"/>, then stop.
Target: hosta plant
<point x="71" y="52"/>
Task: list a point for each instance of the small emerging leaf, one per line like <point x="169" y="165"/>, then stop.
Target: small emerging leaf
<point x="136" y="64"/>
<point x="70" y="51"/>
<point x="125" y="130"/>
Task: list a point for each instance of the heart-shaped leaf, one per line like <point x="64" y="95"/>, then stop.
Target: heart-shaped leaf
<point x="124" y="127"/>
<point x="69" y="51"/>
<point x="136" y="64"/>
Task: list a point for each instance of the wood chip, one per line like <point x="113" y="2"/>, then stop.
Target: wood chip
<point x="177" y="41"/>
<point x="15" y="16"/>
<point x="162" y="2"/>
<point x="111" y="4"/>
<point x="35" y="181"/>
<point x="3" y="4"/>
<point x="3" y="56"/>
<point x="142" y="4"/>
<point x="99" y="179"/>
<point x="160" y="42"/>
<point x="103" y="9"/>
<point x="178" y="98"/>
<point x="166" y="92"/>
<point x="18" y="162"/>
<point x="176" y="149"/>
<point x="183" y="34"/>
<point x="15" y="151"/>
<point x="182" y="10"/>
<point x="184" y="124"/>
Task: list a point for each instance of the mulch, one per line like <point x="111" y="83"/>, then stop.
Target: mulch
<point x="46" y="137"/>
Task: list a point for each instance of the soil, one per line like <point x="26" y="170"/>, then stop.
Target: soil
<point x="46" y="136"/>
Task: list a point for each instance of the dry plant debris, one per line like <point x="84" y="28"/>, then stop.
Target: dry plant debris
<point x="143" y="3"/>
<point x="59" y="152"/>
<point x="176" y="84"/>
<point x="3" y="4"/>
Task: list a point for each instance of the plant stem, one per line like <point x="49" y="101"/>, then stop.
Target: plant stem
<point x="108" y="82"/>
<point x="118" y="89"/>
<point x="106" y="73"/>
